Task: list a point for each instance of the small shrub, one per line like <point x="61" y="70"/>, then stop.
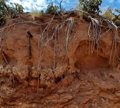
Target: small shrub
<point x="90" y="6"/>
<point x="52" y="9"/>
<point x="109" y="14"/>
<point x="9" y="11"/>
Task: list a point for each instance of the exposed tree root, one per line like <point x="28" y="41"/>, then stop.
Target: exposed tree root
<point x="94" y="35"/>
<point x="94" y="31"/>
<point x="114" y="49"/>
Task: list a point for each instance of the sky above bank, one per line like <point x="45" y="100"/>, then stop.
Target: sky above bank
<point x="66" y="4"/>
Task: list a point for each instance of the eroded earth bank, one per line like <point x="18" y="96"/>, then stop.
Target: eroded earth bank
<point x="59" y="62"/>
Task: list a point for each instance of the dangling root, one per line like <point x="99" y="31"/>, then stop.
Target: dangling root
<point x="94" y="36"/>
<point x="1" y="51"/>
<point x="4" y="58"/>
<point x="69" y="28"/>
<point x="89" y="38"/>
<point x="41" y="39"/>
<point x="44" y="42"/>
<point x="114" y="50"/>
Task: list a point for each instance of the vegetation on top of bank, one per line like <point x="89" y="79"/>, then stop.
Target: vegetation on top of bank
<point x="12" y="10"/>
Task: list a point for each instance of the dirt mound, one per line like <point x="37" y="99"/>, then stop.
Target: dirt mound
<point x="59" y="62"/>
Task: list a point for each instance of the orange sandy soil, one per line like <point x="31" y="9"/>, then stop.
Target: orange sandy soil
<point x="62" y="71"/>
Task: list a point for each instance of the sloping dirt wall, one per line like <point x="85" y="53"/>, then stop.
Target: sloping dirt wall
<point x="58" y="65"/>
